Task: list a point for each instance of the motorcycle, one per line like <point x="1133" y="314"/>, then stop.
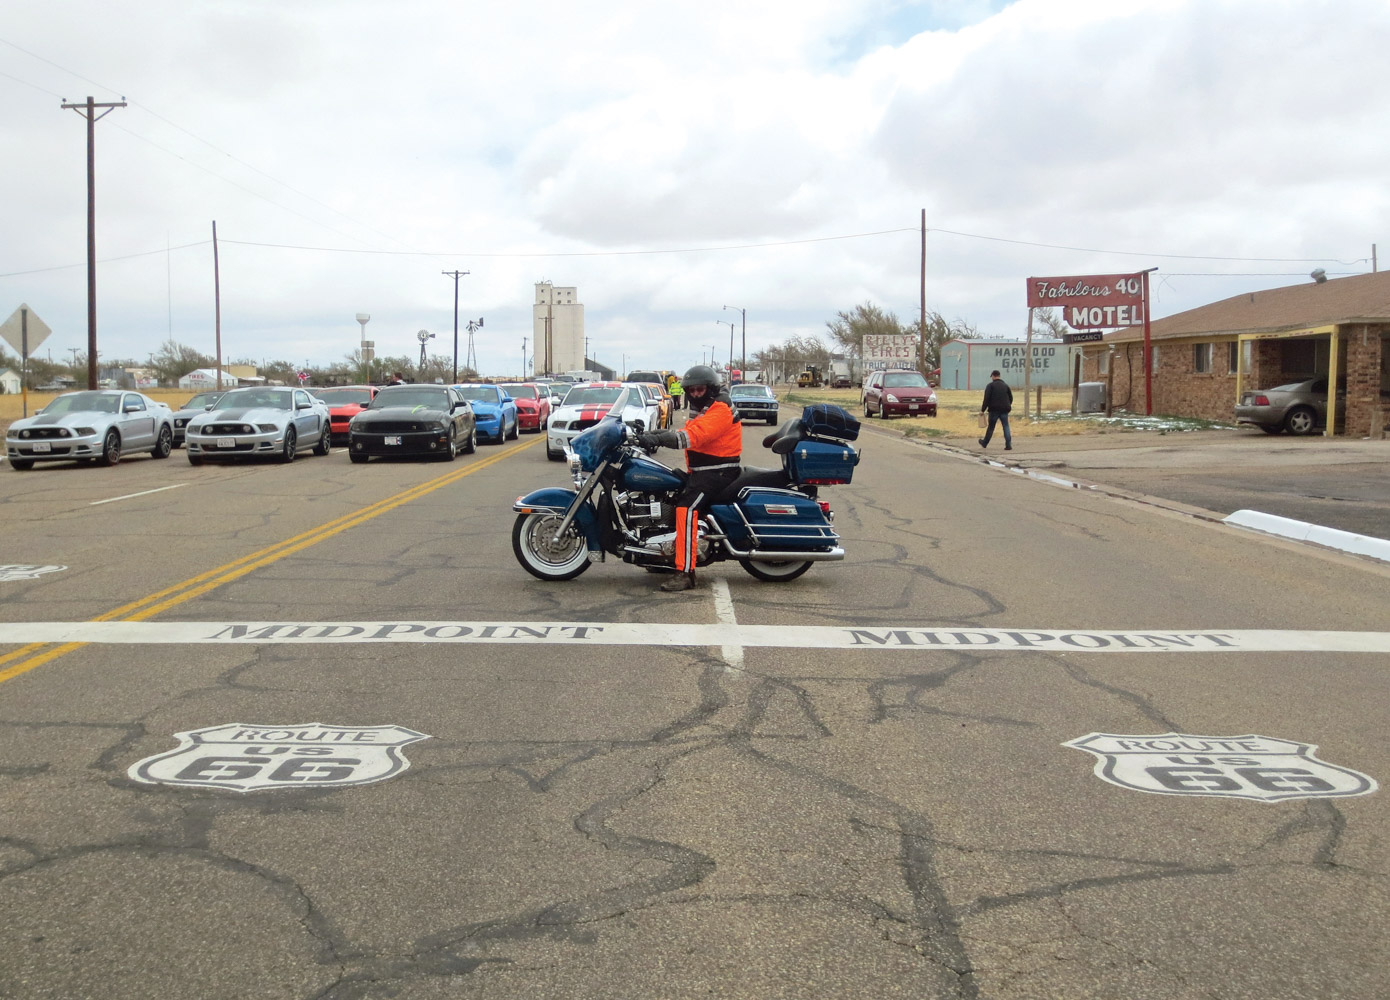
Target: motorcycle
<point x="771" y="521"/>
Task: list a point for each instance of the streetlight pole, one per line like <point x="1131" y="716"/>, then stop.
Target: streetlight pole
<point x="730" y="324"/>
<point x="743" y="354"/>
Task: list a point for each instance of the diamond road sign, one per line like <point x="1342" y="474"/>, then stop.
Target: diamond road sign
<point x="24" y="333"/>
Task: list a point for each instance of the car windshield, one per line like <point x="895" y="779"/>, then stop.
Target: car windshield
<point x="519" y="391"/>
<point x="591" y="395"/>
<point x="344" y="396"/>
<point x="261" y="399"/>
<point x="904" y="380"/>
<point x="410" y="395"/>
<point x="480" y="393"/>
<point x="760" y="391"/>
<point x="202" y="400"/>
<point x="86" y="402"/>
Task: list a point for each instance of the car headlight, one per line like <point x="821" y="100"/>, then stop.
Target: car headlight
<point x="931" y="398"/>
<point x="891" y="398"/>
<point x="86" y="432"/>
<point x="267" y="428"/>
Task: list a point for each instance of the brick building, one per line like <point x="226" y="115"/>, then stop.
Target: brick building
<point x="1205" y="357"/>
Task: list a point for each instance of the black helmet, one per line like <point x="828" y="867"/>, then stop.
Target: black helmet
<point x="701" y="375"/>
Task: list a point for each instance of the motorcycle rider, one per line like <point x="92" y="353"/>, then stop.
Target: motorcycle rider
<point x="713" y="443"/>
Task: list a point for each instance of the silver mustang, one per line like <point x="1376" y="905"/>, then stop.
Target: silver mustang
<point x="260" y="421"/>
<point x="98" y="424"/>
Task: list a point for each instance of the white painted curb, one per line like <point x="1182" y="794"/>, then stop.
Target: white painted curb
<point x="1333" y="538"/>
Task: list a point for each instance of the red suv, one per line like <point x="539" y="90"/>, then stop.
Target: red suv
<point x="898" y="392"/>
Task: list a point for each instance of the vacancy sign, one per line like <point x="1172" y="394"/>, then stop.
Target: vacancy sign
<point x="1092" y="301"/>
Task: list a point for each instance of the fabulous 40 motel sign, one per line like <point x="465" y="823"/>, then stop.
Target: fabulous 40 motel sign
<point x="1094" y="303"/>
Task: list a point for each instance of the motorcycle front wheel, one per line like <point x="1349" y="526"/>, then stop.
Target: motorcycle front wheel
<point x="533" y="541"/>
<point x="775" y="572"/>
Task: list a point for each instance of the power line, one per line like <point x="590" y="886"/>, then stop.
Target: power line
<point x="1142" y="253"/>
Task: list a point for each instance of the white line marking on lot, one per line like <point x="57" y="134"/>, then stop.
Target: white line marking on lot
<point x="878" y="637"/>
<point x="724" y="614"/>
<point x="131" y="496"/>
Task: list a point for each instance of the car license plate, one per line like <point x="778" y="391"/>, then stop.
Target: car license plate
<point x="912" y="406"/>
<point x="42" y="448"/>
<point x="393" y="439"/>
<point x="226" y="442"/>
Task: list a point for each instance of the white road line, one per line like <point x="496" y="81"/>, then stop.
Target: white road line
<point x="724" y="614"/>
<point x="877" y="637"/>
<point x="130" y="496"/>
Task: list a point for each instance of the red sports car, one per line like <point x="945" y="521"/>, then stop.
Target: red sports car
<point x="532" y="405"/>
<point x="344" y="403"/>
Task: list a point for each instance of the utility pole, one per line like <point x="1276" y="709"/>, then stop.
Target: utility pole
<point x="455" y="275"/>
<point x="88" y="111"/>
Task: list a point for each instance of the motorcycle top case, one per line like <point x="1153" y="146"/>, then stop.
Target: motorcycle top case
<point x="829" y="420"/>
<point x="821" y="463"/>
<point x="776" y="520"/>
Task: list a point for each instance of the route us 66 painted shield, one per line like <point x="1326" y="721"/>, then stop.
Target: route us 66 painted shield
<point x="246" y="758"/>
<point x="1263" y="768"/>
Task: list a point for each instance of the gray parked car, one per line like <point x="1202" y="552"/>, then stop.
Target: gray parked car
<point x="194" y="407"/>
<point x="1299" y="407"/>
<point x="92" y="425"/>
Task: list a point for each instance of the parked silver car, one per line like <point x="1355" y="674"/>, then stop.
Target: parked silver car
<point x="95" y="424"/>
<point x="279" y="422"/>
<point x="1299" y="407"/>
<point x="198" y="404"/>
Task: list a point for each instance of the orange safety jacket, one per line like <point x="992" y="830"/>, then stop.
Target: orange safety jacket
<point x="713" y="439"/>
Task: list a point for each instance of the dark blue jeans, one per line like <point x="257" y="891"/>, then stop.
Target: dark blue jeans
<point x="1003" y="420"/>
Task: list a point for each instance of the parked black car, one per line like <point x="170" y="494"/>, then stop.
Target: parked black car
<point x="430" y="420"/>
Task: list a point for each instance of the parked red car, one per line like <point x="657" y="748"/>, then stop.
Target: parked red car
<point x="905" y="393"/>
<point x="532" y="405"/>
<point x="344" y="403"/>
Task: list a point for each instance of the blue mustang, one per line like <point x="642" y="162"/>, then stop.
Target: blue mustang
<point x="493" y="411"/>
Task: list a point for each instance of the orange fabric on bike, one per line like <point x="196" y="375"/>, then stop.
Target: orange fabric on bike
<point x="714" y="433"/>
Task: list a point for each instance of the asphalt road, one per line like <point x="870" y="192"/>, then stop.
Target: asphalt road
<point x="851" y="785"/>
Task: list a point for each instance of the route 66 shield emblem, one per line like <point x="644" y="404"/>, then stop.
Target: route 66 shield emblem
<point x="1263" y="768"/>
<point x="247" y="758"/>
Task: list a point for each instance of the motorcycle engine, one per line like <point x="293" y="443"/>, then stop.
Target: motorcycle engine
<point x="645" y="512"/>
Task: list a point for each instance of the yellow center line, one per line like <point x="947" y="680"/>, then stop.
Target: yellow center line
<point x="36" y="654"/>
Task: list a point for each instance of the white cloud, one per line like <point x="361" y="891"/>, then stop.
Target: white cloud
<point x="482" y="133"/>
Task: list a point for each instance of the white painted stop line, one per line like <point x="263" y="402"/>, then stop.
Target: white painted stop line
<point x="572" y="634"/>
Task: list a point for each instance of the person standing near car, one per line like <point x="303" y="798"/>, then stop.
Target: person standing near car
<point x="713" y="443"/>
<point x="677" y="392"/>
<point x="998" y="401"/>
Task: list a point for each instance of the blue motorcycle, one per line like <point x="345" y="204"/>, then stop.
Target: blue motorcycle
<point x="771" y="521"/>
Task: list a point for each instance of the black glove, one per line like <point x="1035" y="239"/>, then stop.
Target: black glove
<point x="648" y="441"/>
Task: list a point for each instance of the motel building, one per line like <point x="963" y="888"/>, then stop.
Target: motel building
<point x="1205" y="358"/>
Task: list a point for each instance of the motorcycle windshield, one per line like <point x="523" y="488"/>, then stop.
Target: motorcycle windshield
<point x="594" y="444"/>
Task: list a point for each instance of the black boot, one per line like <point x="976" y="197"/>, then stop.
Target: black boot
<point x="680" y="581"/>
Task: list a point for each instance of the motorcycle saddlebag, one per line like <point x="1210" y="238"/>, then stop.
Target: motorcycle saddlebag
<point x="829" y="420"/>
<point x="775" y="520"/>
<point x="821" y="463"/>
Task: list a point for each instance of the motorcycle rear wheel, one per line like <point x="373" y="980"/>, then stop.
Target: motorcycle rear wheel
<point x="542" y="556"/>
<point x="775" y="572"/>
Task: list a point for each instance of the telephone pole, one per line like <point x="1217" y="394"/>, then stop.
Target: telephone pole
<point x="455" y="275"/>
<point x="88" y="111"/>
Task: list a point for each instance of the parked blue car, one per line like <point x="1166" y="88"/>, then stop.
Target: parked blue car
<point x="493" y="410"/>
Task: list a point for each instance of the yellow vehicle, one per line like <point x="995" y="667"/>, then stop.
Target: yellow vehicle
<point x="810" y="378"/>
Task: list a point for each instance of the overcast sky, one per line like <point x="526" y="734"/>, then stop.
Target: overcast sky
<point x="668" y="160"/>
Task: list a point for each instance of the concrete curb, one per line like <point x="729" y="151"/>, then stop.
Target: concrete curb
<point x="1302" y="531"/>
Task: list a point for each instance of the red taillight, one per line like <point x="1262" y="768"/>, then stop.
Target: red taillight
<point x="1261" y="400"/>
<point x="824" y="506"/>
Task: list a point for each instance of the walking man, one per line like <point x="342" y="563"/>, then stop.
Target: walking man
<point x="998" y="401"/>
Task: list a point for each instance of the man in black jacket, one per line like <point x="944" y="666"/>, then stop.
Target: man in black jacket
<point x="999" y="400"/>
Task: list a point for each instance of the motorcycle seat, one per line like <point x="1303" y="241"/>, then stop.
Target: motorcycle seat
<point x="784" y="438"/>
<point x="775" y="478"/>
